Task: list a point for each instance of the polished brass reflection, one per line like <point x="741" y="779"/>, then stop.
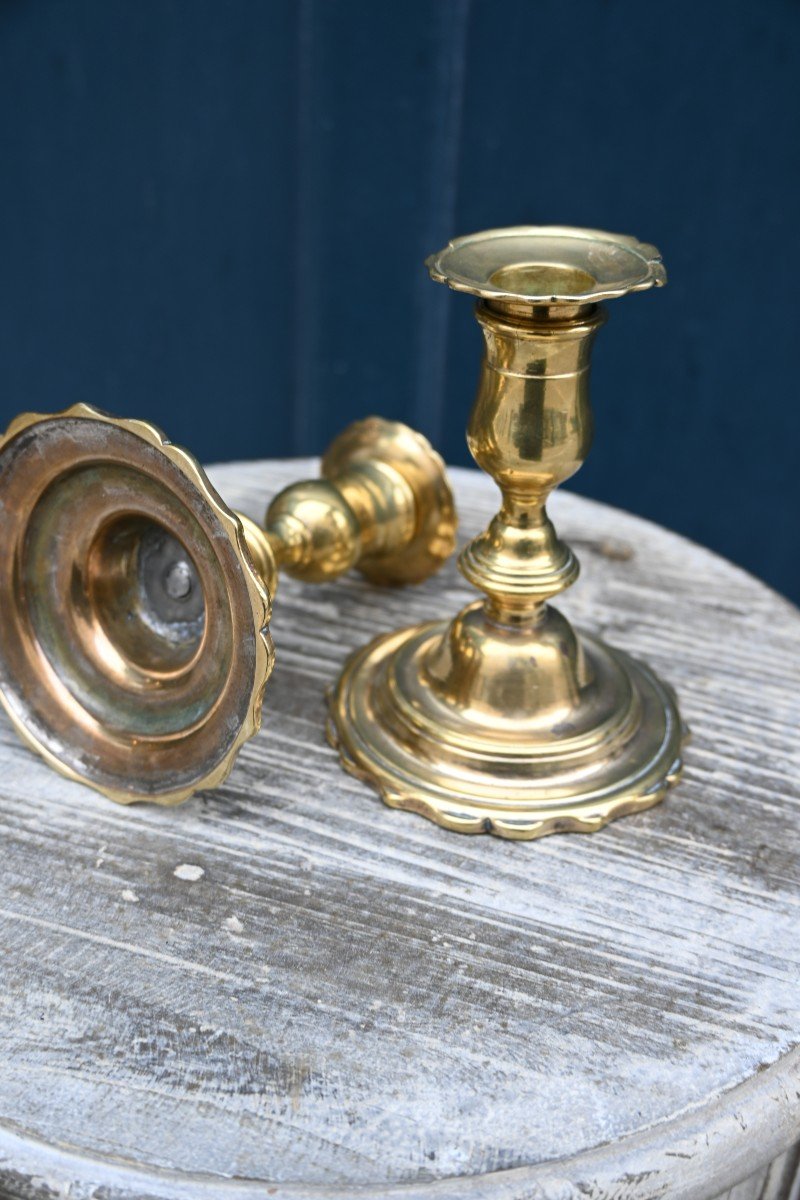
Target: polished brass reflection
<point x="134" y="645"/>
<point x="507" y="720"/>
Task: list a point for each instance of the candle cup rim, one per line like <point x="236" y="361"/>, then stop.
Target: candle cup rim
<point x="547" y="264"/>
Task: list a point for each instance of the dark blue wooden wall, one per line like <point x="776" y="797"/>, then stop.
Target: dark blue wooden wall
<point x="214" y="214"/>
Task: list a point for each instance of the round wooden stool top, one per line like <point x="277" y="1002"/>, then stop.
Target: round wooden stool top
<point x="284" y="988"/>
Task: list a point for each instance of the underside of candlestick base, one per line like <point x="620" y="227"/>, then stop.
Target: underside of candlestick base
<point x="506" y="732"/>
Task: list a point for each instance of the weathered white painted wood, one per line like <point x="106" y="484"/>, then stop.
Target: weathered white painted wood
<point x="285" y="981"/>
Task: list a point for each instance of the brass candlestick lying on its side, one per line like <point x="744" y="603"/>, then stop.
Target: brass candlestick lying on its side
<point x="134" y="645"/>
<point x="507" y="720"/>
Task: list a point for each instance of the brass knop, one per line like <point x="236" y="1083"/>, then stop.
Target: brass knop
<point x="507" y="720"/>
<point x="135" y="644"/>
<point x="383" y="505"/>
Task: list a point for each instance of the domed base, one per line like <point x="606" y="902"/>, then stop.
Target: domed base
<point x="491" y="730"/>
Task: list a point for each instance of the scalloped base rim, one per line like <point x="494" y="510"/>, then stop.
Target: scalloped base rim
<point x="424" y="783"/>
<point x="458" y="819"/>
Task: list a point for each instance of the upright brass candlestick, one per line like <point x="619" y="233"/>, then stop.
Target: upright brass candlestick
<point x="134" y="644"/>
<point x="507" y="720"/>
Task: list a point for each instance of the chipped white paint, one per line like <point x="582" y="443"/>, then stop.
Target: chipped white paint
<point x="189" y="871"/>
<point x="405" y="1012"/>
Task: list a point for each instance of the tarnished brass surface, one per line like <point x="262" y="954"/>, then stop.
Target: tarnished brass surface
<point x="507" y="720"/>
<point x="134" y="646"/>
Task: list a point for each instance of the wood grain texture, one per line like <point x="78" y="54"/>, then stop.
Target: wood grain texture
<point x="285" y="981"/>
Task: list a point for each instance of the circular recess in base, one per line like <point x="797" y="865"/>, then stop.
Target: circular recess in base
<point x="617" y="754"/>
<point x="134" y="646"/>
